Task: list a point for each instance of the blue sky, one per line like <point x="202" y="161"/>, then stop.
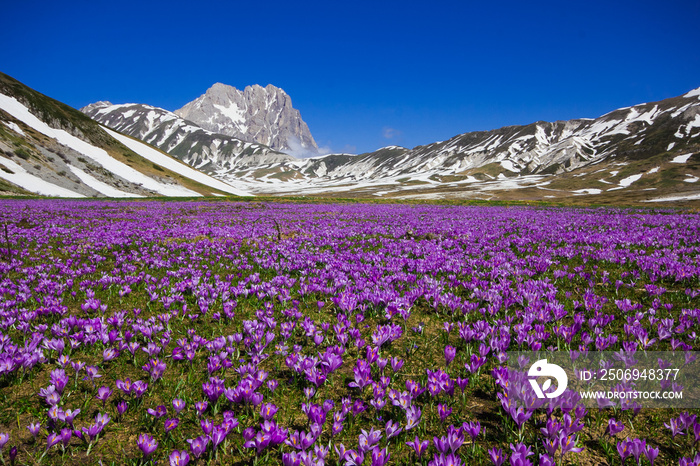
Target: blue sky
<point x="364" y="74"/>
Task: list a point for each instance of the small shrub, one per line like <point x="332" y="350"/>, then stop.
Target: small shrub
<point x="22" y="153"/>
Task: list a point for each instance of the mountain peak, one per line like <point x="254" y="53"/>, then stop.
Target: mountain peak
<point x="96" y="105"/>
<point x="263" y="115"/>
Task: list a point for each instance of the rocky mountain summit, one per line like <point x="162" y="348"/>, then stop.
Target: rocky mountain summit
<point x="257" y="114"/>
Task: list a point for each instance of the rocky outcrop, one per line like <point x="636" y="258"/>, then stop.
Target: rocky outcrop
<point x="257" y="114"/>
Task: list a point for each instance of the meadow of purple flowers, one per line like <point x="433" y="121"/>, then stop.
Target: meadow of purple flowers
<point x="309" y="334"/>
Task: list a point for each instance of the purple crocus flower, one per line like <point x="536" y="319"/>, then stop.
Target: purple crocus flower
<point x="675" y="427"/>
<point x="367" y="440"/>
<point x="77" y="366"/>
<point x="50" y="395"/>
<point x="418" y="446"/>
<point x="52" y="439"/>
<point x="125" y="386"/>
<point x="207" y="426"/>
<point x="446" y="460"/>
<point x="272" y="385"/>
<point x="651" y="454"/>
<point x="336" y="428"/>
<point x="59" y="379"/>
<point x="178" y="405"/>
<point x="637" y="447"/>
<point x="92" y="431"/>
<point x="450" y="352"/>
<point x="614" y="427"/>
<point x="139" y="388"/>
<point x="147" y="444"/>
<point x="520" y="454"/>
<point x="34" y="429"/>
<point x="69" y="416"/>
<point x="198" y="445"/>
<point x="392" y="429"/>
<point x="268" y="411"/>
<point x="623" y="449"/>
<point x="213" y="389"/>
<point x="354" y="458"/>
<point x="171" y="424"/>
<point x="92" y="373"/>
<point x="472" y="428"/>
<point x="568" y="443"/>
<point x="155" y="368"/>
<point x="102" y="419"/>
<point x="259" y="442"/>
<point x="300" y="440"/>
<point x="551" y="444"/>
<point x="309" y="392"/>
<point x="159" y="412"/>
<point x="442" y="445"/>
<point x="218" y="435"/>
<point x="413" y="414"/>
<point x="256" y="398"/>
<point x="462" y="383"/>
<point x="66" y="435"/>
<point x="4" y="438"/>
<point x="292" y="459"/>
<point x="519" y="415"/>
<point x="109" y="353"/>
<point x="103" y="393"/>
<point x="380" y="456"/>
<point x="55" y="413"/>
<point x="444" y="411"/>
<point x="179" y="458"/>
<point x="551" y="428"/>
<point x="200" y="407"/>
<point x="396" y="364"/>
<point x="230" y="420"/>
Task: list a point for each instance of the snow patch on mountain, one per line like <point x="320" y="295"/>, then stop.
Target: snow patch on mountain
<point x="176" y="166"/>
<point x="14" y="127"/>
<point x="98" y="185"/>
<point x="625" y="182"/>
<point x="693" y="93"/>
<point x="22" y="113"/>
<point x="681" y="158"/>
<point x="32" y="183"/>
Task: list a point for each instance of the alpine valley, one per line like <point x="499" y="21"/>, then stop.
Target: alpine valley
<point x="254" y="142"/>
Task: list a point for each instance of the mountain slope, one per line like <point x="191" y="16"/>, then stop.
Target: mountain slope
<point x="49" y="148"/>
<point x="207" y="151"/>
<point x="625" y="155"/>
<point x="257" y="114"/>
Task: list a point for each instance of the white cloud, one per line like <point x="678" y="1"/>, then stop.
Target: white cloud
<point x="391" y="133"/>
<point x="296" y="149"/>
<point x="301" y="152"/>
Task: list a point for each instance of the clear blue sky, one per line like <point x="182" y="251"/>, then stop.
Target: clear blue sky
<point x="364" y="74"/>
